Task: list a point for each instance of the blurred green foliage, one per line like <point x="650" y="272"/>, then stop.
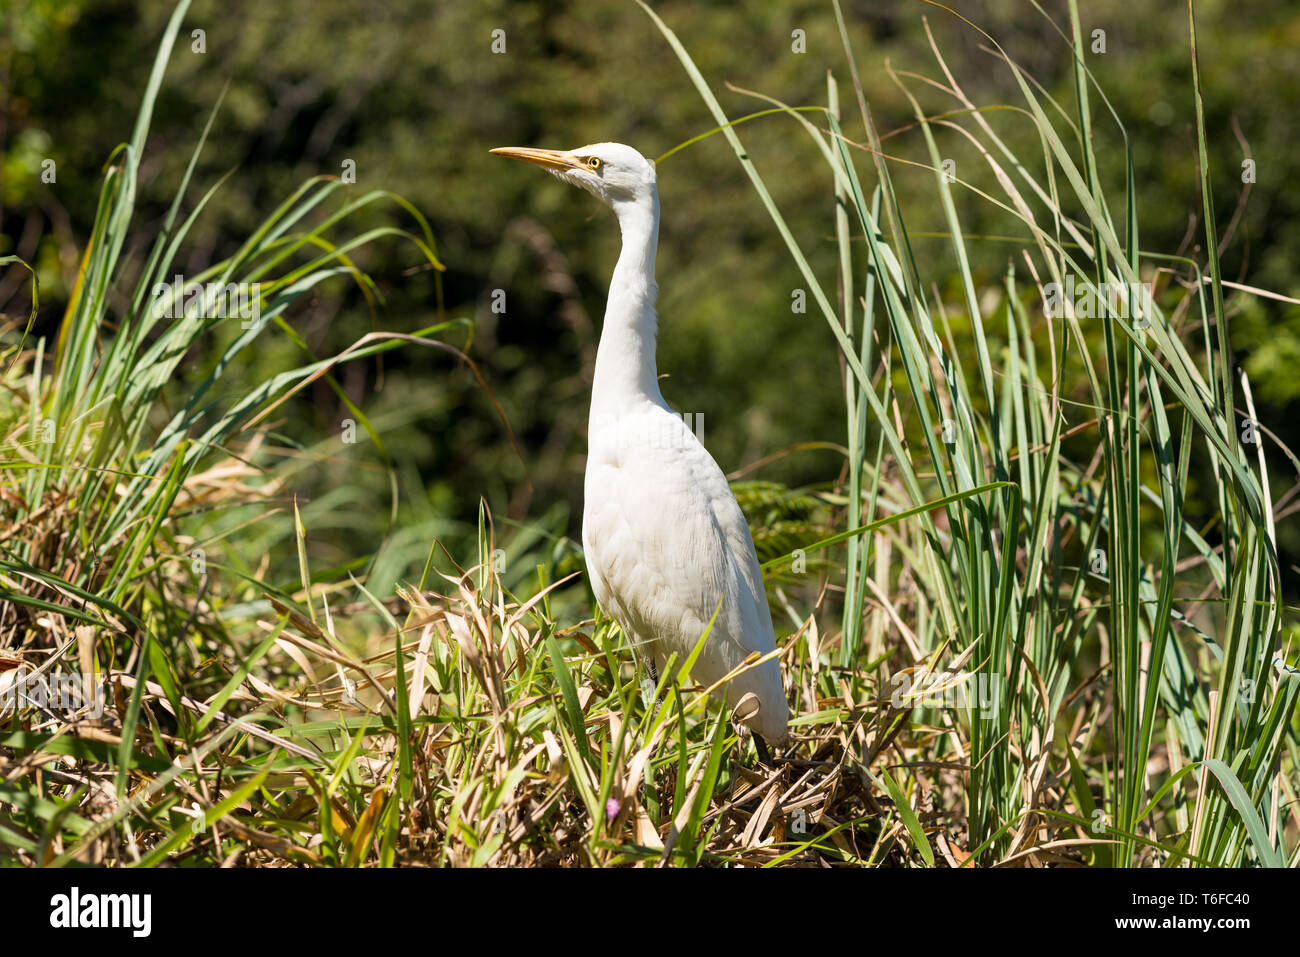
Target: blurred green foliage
<point x="413" y="94"/>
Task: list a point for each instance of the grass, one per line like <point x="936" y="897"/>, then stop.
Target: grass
<point x="999" y="651"/>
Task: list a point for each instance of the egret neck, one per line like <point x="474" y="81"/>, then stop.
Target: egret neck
<point x="626" y="372"/>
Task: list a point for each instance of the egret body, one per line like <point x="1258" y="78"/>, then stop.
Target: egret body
<point x="665" y="542"/>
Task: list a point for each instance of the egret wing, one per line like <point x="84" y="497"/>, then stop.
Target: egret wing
<point x="668" y="546"/>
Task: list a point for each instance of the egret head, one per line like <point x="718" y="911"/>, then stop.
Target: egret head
<point x="614" y="173"/>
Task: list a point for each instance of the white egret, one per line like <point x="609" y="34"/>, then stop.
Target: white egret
<point x="666" y="543"/>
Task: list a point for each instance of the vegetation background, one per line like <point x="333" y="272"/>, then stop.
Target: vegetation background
<point x="412" y="92"/>
<point x="313" y="540"/>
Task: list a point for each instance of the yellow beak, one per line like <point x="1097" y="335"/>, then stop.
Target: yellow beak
<point x="547" y="159"/>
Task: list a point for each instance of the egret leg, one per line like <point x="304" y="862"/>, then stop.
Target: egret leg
<point x="764" y="756"/>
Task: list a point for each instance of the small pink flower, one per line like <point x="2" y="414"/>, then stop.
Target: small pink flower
<point x="612" y="808"/>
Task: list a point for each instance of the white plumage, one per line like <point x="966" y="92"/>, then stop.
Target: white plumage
<point x="665" y="541"/>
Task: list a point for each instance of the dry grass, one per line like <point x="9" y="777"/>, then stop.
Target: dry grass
<point x="310" y="751"/>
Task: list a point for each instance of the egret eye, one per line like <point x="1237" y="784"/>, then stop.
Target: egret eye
<point x="593" y="162"/>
